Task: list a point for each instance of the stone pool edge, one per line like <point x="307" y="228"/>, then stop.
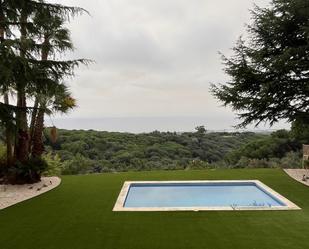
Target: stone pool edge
<point x="119" y="205"/>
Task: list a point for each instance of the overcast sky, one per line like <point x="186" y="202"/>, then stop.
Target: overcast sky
<point x="155" y="58"/>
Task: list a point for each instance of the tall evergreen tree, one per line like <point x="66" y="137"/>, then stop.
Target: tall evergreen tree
<point x="269" y="73"/>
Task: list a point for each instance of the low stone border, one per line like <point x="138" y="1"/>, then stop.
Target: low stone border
<point x="297" y="174"/>
<point x="119" y="205"/>
<point x="13" y="194"/>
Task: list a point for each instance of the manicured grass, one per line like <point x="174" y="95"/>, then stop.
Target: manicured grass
<point x="78" y="215"/>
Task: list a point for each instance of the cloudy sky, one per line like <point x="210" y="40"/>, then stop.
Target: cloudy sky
<point x="155" y="58"/>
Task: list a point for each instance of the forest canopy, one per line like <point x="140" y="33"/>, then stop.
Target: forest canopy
<point x="80" y="152"/>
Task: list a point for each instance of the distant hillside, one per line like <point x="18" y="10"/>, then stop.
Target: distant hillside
<point x="98" y="151"/>
<point x="80" y="151"/>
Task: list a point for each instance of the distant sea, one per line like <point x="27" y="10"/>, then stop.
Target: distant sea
<point x="149" y="124"/>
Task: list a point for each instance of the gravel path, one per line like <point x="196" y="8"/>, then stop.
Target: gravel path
<point x="298" y="174"/>
<point x="12" y="194"/>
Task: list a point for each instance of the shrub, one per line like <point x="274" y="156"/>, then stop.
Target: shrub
<point x="259" y="163"/>
<point x="198" y="164"/>
<point x="243" y="162"/>
<point x="27" y="172"/>
<point x="78" y="165"/>
<point x="291" y="160"/>
<point x="54" y="164"/>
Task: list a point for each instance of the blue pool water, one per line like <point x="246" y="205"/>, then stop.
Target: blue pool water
<point x="199" y="195"/>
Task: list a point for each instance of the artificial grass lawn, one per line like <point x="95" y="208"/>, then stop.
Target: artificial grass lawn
<point x="78" y="215"/>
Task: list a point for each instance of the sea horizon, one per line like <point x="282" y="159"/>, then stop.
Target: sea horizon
<point x="149" y="124"/>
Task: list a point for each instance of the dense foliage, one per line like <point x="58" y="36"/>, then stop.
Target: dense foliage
<point x="79" y="152"/>
<point x="279" y="149"/>
<point x="93" y="151"/>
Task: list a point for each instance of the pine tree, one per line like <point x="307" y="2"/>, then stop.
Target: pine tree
<point x="270" y="72"/>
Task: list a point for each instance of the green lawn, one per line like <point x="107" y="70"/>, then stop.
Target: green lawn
<point x="78" y="215"/>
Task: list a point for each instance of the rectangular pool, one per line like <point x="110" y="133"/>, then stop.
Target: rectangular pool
<point x="200" y="195"/>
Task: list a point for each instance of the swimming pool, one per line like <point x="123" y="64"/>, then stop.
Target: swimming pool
<point x="200" y="195"/>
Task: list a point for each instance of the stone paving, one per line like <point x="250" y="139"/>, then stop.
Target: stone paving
<point x="298" y="175"/>
<point x="12" y="194"/>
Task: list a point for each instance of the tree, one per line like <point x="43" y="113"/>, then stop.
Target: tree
<point x="270" y="72"/>
<point x="201" y="129"/>
<point x="59" y="100"/>
<point x="56" y="97"/>
<point x="5" y="16"/>
<point x="300" y="131"/>
<point x="25" y="73"/>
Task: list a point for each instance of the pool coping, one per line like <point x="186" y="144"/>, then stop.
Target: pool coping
<point x="119" y="205"/>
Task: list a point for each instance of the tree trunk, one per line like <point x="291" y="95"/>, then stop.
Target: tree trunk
<point x="37" y="142"/>
<point x="37" y="132"/>
<point x="9" y="138"/>
<point x="33" y="120"/>
<point x="22" y="148"/>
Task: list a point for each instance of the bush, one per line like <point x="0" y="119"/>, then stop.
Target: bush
<point x="291" y="160"/>
<point x="259" y="163"/>
<point x="198" y="164"/>
<point x="54" y="164"/>
<point x="243" y="162"/>
<point x="27" y="172"/>
<point x="78" y="165"/>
